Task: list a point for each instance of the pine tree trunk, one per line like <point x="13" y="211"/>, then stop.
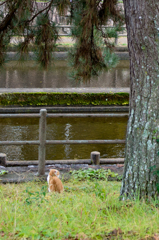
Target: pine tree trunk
<point x="142" y="21"/>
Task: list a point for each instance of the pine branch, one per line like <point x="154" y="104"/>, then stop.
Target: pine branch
<point x="41" y="11"/>
<point x="2" y="3"/>
<point x="8" y="19"/>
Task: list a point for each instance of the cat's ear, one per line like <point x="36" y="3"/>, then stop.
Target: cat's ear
<point x="57" y="173"/>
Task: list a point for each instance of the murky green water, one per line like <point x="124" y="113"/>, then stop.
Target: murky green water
<point x="63" y="129"/>
<point x="29" y="75"/>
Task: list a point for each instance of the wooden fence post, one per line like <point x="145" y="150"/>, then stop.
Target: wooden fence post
<point x="3" y="159"/>
<point x="42" y="139"/>
<point x="95" y="158"/>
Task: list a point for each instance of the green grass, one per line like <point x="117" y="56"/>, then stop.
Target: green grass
<point x="86" y="210"/>
<point x="124" y="44"/>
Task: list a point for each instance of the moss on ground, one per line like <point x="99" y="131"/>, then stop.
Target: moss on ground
<point x="63" y="99"/>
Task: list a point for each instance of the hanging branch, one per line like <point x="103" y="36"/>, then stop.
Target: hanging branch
<point x="2" y="3"/>
<point x="46" y="37"/>
<point x="41" y="11"/>
<point x="9" y="17"/>
<point x="88" y="57"/>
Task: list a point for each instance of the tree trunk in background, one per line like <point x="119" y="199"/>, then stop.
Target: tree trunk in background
<point x="142" y="21"/>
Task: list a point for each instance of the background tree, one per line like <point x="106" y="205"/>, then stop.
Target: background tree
<point x="142" y="20"/>
<point x="88" y="57"/>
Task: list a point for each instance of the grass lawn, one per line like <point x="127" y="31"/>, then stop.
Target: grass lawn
<point x="85" y="210"/>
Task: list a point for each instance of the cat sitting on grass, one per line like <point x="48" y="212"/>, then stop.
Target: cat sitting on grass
<point x="55" y="184"/>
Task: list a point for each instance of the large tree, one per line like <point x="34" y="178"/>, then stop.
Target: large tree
<point x="141" y="154"/>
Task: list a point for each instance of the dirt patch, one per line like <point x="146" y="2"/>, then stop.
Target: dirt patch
<point x="30" y="173"/>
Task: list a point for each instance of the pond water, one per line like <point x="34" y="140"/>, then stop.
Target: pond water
<point x="29" y="75"/>
<point x="63" y="129"/>
<point x="15" y="75"/>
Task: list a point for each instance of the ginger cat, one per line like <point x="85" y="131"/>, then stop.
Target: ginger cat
<point x="55" y="184"/>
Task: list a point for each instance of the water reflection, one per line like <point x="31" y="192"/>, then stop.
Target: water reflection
<point x="15" y="75"/>
<point x="63" y="129"/>
<point x="67" y="147"/>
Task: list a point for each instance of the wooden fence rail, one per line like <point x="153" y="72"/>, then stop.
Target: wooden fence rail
<point x="42" y="142"/>
<point x="55" y="115"/>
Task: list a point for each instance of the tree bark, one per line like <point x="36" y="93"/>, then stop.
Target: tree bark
<point x="142" y="21"/>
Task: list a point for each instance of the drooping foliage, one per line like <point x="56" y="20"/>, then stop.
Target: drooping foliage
<point x="89" y="55"/>
<point x="93" y="48"/>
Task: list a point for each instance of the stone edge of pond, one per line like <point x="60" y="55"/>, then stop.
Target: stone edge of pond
<point x="66" y="109"/>
<point x="45" y="99"/>
<point x="66" y="49"/>
<point x="13" y="56"/>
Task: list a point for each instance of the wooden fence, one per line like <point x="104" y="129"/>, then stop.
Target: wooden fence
<point x="42" y="142"/>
